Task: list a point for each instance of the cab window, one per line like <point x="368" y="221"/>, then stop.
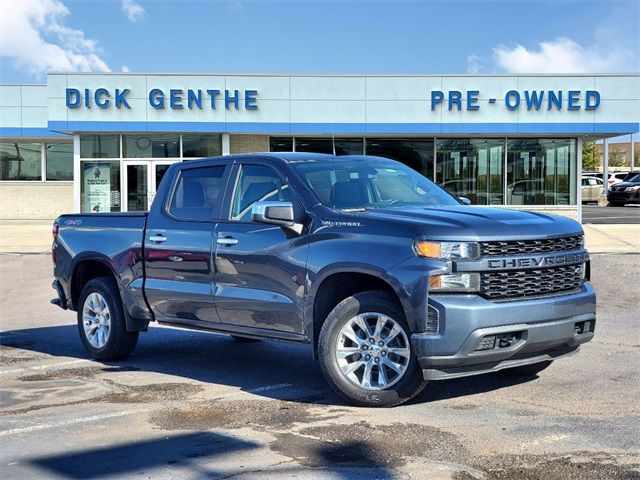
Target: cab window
<point x="198" y="194"/>
<point x="258" y="183"/>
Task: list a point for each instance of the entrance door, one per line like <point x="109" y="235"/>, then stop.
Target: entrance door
<point x="141" y="179"/>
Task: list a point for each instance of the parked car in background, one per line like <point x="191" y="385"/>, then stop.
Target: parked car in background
<point x="592" y="188"/>
<point x="624" y="192"/>
<point x="614" y="178"/>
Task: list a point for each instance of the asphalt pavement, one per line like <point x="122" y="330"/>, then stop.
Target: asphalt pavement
<point x="611" y="215"/>
<point x="198" y="405"/>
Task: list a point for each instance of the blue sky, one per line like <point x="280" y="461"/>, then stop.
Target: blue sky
<point x="317" y="36"/>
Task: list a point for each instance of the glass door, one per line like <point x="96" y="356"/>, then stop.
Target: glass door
<point x="136" y="186"/>
<point x="141" y="179"/>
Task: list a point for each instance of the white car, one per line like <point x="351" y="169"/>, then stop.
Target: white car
<point x="592" y="188"/>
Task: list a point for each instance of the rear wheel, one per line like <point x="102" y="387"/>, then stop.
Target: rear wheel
<point x="526" y="370"/>
<point x="101" y="321"/>
<point x="365" y="353"/>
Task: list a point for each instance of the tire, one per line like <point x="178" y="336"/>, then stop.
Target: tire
<point x="244" y="339"/>
<point x="526" y="370"/>
<point x="114" y="343"/>
<point x="374" y="306"/>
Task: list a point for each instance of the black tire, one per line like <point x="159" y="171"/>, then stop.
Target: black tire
<point x="409" y="385"/>
<point x="120" y="343"/>
<point x="244" y="339"/>
<point x="526" y="370"/>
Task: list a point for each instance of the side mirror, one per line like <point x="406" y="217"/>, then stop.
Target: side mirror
<point x="464" y="200"/>
<point x="275" y="213"/>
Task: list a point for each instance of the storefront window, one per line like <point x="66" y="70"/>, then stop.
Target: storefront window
<point x="100" y="146"/>
<point x="150" y="146"/>
<point x="281" y="144"/>
<point x="471" y="168"/>
<point x="59" y="161"/>
<point x="201" y="145"/>
<point x="343" y="146"/>
<point x="20" y="161"/>
<point x="415" y="153"/>
<point x="100" y="187"/>
<point x="541" y="172"/>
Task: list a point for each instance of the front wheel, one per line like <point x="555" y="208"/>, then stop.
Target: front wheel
<point x="365" y="353"/>
<point x="101" y="321"/>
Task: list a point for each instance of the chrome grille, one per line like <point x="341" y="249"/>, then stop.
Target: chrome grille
<point x="518" y="247"/>
<point x="530" y="283"/>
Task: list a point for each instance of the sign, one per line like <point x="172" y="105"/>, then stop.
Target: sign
<point x="174" y="98"/>
<point x="513" y="99"/>
<point x="97" y="187"/>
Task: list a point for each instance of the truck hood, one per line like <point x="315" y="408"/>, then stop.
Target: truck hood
<point x="477" y="223"/>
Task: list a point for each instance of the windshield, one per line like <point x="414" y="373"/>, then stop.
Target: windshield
<point x="632" y="178"/>
<point x="371" y="183"/>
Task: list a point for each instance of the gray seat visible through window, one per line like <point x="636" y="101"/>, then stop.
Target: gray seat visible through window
<point x="350" y="194"/>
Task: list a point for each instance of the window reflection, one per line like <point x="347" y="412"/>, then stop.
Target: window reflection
<point x="472" y="168"/>
<point x="151" y="146"/>
<point x="541" y="172"/>
<point x="415" y="153"/>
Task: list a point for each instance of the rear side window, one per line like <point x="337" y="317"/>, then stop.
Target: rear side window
<point x="198" y="194"/>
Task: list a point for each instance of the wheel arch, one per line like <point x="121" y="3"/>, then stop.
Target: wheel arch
<point x="334" y="286"/>
<point x="94" y="265"/>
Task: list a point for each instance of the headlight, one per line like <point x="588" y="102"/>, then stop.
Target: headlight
<point x="455" y="282"/>
<point x="632" y="189"/>
<point x="446" y="250"/>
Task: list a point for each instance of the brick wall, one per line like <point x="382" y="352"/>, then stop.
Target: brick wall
<point x="35" y="200"/>
<point x="248" y="143"/>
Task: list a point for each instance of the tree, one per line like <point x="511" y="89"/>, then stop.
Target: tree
<point x="615" y="158"/>
<point x="590" y="157"/>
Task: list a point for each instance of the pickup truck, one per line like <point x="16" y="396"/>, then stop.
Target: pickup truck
<point x="391" y="280"/>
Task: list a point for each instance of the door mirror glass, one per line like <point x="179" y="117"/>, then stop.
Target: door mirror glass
<point x="464" y="200"/>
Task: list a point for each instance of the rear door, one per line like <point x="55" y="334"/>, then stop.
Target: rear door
<point x="260" y="269"/>
<point x="179" y="244"/>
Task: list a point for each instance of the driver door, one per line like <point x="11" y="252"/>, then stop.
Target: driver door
<point x="259" y="269"/>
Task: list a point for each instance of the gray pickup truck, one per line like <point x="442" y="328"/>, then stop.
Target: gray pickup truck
<point x="391" y="280"/>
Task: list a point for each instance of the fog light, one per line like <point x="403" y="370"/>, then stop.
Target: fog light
<point x="486" y="343"/>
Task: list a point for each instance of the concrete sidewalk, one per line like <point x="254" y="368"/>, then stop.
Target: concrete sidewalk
<point x="34" y="236"/>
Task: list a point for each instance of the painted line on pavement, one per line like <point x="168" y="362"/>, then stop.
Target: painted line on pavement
<point x="93" y="418"/>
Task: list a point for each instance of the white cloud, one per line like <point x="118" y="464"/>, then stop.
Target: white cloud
<point x="133" y="10"/>
<point x="474" y="63"/>
<point x="33" y="33"/>
<point x="125" y="69"/>
<point x="561" y="55"/>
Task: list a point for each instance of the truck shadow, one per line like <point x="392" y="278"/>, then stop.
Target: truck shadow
<point x="254" y="367"/>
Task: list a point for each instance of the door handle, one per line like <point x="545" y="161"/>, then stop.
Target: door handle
<point x="227" y="241"/>
<point x="158" y="238"/>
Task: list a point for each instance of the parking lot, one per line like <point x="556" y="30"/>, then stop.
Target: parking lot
<point x="594" y="214"/>
<point x="199" y="405"/>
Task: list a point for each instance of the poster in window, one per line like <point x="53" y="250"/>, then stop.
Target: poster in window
<point x="97" y="188"/>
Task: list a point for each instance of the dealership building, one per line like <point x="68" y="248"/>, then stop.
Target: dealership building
<point x="102" y="142"/>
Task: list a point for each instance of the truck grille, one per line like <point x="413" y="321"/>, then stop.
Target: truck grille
<point x="531" y="283"/>
<point x="518" y="247"/>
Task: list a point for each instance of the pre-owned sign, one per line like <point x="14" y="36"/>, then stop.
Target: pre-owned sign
<point x="513" y="99"/>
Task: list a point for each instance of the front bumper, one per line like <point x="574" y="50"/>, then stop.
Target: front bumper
<point x="541" y="329"/>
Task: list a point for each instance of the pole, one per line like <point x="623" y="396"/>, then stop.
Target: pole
<point x="633" y="154"/>
<point x="605" y="166"/>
